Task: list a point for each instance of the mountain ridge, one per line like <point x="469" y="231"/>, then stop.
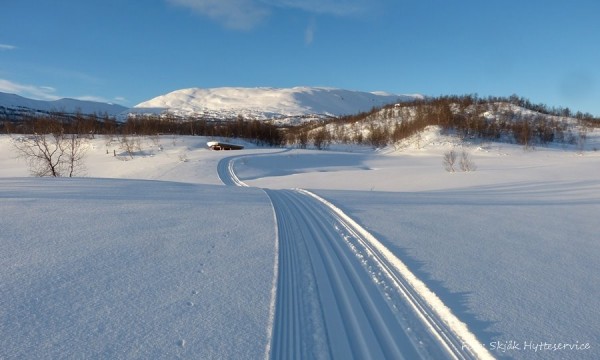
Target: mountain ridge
<point x="295" y="104"/>
<point x="14" y="104"/>
<point x="266" y="103"/>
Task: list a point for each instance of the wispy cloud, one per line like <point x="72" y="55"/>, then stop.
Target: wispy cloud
<point x="234" y="14"/>
<point x="91" y="98"/>
<point x="117" y="100"/>
<point x="309" y="33"/>
<point x="324" y="7"/>
<point x="31" y="91"/>
<point x="247" y="14"/>
<point x="7" y="47"/>
<point x="121" y="100"/>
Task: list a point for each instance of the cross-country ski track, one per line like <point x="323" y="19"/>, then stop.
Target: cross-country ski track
<point x="339" y="293"/>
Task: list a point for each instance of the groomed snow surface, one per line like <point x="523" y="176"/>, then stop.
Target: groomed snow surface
<point x="152" y="257"/>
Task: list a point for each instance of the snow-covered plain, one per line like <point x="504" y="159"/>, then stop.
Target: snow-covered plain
<point x="181" y="266"/>
<point x="104" y="268"/>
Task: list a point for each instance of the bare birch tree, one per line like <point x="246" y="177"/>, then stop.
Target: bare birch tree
<point x="51" y="152"/>
<point x="466" y="163"/>
<point x="75" y="152"/>
<point x="449" y="161"/>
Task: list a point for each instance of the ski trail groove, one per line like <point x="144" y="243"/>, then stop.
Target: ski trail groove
<point x="226" y="172"/>
<point x="341" y="294"/>
<point x="357" y="319"/>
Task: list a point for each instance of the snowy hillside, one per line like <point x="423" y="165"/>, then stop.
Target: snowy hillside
<point x="11" y="104"/>
<point x="469" y="118"/>
<point x="266" y="103"/>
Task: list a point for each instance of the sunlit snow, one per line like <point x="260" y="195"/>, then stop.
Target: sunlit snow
<point x="153" y="257"/>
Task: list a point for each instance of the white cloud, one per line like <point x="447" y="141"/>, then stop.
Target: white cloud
<point x="246" y="14"/>
<point x="7" y="47"/>
<point x="234" y="14"/>
<point x="92" y="98"/>
<point x="326" y="7"/>
<point x="30" y="91"/>
<point x="309" y="33"/>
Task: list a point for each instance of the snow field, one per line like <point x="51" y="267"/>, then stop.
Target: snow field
<point x="510" y="248"/>
<point x="121" y="269"/>
<point x="522" y="271"/>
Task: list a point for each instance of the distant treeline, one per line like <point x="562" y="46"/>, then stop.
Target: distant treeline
<point x="509" y="119"/>
<point x="259" y="132"/>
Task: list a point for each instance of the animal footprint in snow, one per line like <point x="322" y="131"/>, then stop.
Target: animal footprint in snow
<point x="190" y="303"/>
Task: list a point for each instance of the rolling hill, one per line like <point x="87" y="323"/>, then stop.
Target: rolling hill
<point x="12" y="105"/>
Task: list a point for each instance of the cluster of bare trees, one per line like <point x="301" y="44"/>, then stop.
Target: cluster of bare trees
<point x="544" y="109"/>
<point x="469" y="117"/>
<point x="465" y="162"/>
<point x="260" y="132"/>
<point x="52" y="151"/>
<point x="55" y="145"/>
<point x="86" y="125"/>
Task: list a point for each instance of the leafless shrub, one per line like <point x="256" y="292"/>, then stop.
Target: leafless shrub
<point x="321" y="138"/>
<point x="302" y="139"/>
<point x="129" y="144"/>
<point x="155" y="138"/>
<point x="466" y="163"/>
<point x="449" y="160"/>
<point x="52" y="154"/>
<point x="581" y="139"/>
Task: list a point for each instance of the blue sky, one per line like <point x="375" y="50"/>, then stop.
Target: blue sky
<point x="128" y="51"/>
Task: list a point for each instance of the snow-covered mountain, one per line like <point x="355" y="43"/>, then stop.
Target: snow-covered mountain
<point x="15" y="105"/>
<point x="287" y="105"/>
<point x="266" y="103"/>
